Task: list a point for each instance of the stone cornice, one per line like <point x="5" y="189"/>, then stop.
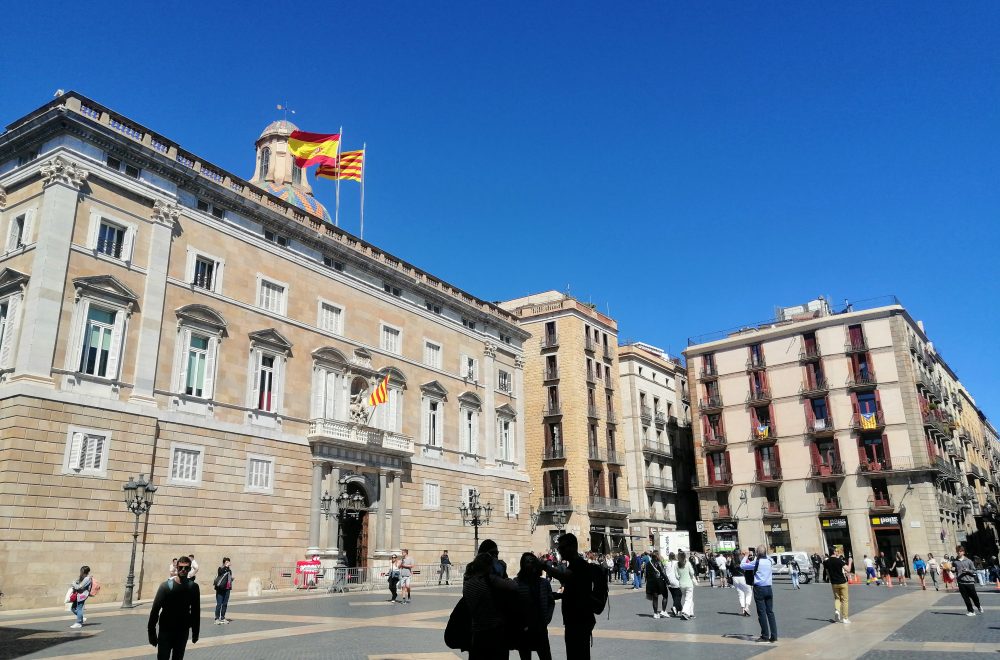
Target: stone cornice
<point x="67" y="172"/>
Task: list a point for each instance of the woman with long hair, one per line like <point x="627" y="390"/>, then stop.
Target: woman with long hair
<point x="686" y="579"/>
<point x="655" y="582"/>
<point x="899" y="563"/>
<point x="81" y="591"/>
<point x="932" y="568"/>
<point x="483" y="591"/>
<point x="536" y="603"/>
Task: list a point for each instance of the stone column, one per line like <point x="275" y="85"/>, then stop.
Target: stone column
<point x="397" y="484"/>
<point x="489" y="402"/>
<point x="380" y="513"/>
<point x="333" y="525"/>
<point x="164" y="217"/>
<point x="43" y="298"/>
<point x="314" y="507"/>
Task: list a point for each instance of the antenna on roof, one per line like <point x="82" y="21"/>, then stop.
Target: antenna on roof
<point x="284" y="106"/>
<point x="59" y="92"/>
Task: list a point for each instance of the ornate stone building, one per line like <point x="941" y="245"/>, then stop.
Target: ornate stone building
<point x="161" y="315"/>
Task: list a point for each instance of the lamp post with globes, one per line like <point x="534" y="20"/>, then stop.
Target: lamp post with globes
<point x="138" y="499"/>
<point x="475" y="515"/>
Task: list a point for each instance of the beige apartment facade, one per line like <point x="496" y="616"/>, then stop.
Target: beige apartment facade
<point x="573" y="450"/>
<point x="824" y="429"/>
<point x="656" y="429"/>
<point x="160" y="315"/>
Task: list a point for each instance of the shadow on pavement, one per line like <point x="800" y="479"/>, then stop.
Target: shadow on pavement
<point x="17" y="642"/>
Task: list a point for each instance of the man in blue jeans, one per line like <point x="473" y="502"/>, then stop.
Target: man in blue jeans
<point x="762" y="594"/>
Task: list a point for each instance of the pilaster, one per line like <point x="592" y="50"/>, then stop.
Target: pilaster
<point x="489" y="403"/>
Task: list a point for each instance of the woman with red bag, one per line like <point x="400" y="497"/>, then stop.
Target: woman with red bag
<point x="81" y="591"/>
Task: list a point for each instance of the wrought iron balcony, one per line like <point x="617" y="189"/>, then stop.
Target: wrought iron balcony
<point x="708" y="372"/>
<point x="856" y="346"/>
<point x="352" y="434"/>
<point x="810" y="354"/>
<point x="759" y="395"/>
<point x="812" y="389"/>
<point x="768" y="474"/>
<point x="771" y="510"/>
<point x="827" y="471"/>
<point x="859" y="382"/>
<point x="556" y="503"/>
<point x="868" y="422"/>
<point x="756" y="363"/>
<point x="881" y="503"/>
<point x="821" y="427"/>
<point x="551" y="373"/>
<point x="879" y="465"/>
<point x="654" y="447"/>
<point x="645" y="414"/>
<point x="714" y="441"/>
<point x="616" y="457"/>
<point x="550" y="340"/>
<point x="767" y="435"/>
<point x="589" y="344"/>
<point x="553" y="408"/>
<point x="608" y="505"/>
<point x="554" y="453"/>
<point x="660" y="483"/>
<point x="829" y="504"/>
<point x="720" y="479"/>
<point x="660" y="418"/>
<point x="949" y="471"/>
<point x="711" y="403"/>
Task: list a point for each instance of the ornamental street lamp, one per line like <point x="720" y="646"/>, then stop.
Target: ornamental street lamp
<point x="138" y="499"/>
<point x="559" y="519"/>
<point x="476" y="515"/>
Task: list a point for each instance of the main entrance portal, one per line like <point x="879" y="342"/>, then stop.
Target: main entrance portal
<point x="354" y="532"/>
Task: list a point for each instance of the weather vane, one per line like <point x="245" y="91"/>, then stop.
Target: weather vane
<point x="286" y="109"/>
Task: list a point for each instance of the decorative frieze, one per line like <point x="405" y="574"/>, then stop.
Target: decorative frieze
<point x="60" y="170"/>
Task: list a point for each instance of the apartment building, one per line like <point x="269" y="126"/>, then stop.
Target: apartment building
<point x="160" y="315"/>
<point x="819" y="429"/>
<point x="574" y="456"/>
<point x="656" y="434"/>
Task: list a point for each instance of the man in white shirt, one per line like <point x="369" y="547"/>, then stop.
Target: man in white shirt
<point x="720" y="563"/>
<point x="870" y="571"/>
<point x="194" y="567"/>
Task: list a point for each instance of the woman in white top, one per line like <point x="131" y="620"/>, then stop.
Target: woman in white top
<point x="673" y="586"/>
<point x="686" y="579"/>
<point x="933" y="567"/>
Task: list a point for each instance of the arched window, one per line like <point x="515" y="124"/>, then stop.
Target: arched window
<point x="265" y="162"/>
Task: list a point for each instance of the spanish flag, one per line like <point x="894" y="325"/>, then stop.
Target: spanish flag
<point x="352" y="164"/>
<point x="314" y="148"/>
<point x="381" y="393"/>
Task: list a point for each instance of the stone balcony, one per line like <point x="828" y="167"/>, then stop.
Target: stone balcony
<point x="360" y="436"/>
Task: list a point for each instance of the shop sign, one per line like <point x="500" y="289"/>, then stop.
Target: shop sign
<point x="777" y="527"/>
<point x="597" y="529"/>
<point x="779" y="548"/>
<point x="836" y="523"/>
<point x="885" y="521"/>
<point x="725" y="526"/>
<point x="699" y="526"/>
<point x="618" y="531"/>
<point x="726" y="545"/>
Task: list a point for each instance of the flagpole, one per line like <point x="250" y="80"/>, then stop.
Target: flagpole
<point x="364" y="169"/>
<point x="336" y="213"/>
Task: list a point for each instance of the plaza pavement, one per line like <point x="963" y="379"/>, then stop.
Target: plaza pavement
<point x="886" y="624"/>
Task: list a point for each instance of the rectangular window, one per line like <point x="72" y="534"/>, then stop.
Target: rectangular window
<point x="503" y="440"/>
<point x="111" y="239"/>
<point x="265" y="384"/>
<point x="272" y="237"/>
<point x="390" y="340"/>
<point x="431" y="307"/>
<point x="504" y="382"/>
<point x="432" y="495"/>
<point x="432" y="354"/>
<point x="197" y="359"/>
<point x="185" y="464"/>
<point x="16" y="238"/>
<point x="204" y="273"/>
<point x="97" y="342"/>
<point x="331" y="318"/>
<point x="511" y="500"/>
<point x="433" y="437"/>
<point x="469" y="368"/>
<point x="471" y="325"/>
<point x="117" y="165"/>
<point x="470" y="423"/>
<point x="260" y="473"/>
<point x="330" y="262"/>
<point x="271" y="297"/>
<point x="392" y="290"/>
<point x="86" y="452"/>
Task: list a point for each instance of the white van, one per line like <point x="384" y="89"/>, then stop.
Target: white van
<point x="782" y="560"/>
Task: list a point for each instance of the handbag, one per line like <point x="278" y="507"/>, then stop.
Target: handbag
<point x="458" y="632"/>
<point x="70" y="595"/>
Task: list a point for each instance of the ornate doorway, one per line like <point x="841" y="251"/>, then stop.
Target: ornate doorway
<point x="354" y="531"/>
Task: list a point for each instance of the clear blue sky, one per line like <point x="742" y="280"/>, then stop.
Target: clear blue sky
<point x="687" y="166"/>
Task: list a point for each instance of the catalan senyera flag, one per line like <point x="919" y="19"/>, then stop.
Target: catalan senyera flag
<point x="314" y="148"/>
<point x="352" y="165"/>
<point x="763" y="430"/>
<point x="381" y="393"/>
<point x="868" y="421"/>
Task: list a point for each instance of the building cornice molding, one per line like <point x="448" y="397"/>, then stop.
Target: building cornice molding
<point x="61" y="170"/>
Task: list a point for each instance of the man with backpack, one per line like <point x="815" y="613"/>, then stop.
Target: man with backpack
<point x="223" y="586"/>
<point x="585" y="593"/>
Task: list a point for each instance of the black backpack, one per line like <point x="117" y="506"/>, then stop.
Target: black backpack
<point x="598" y="589"/>
<point x="458" y="632"/>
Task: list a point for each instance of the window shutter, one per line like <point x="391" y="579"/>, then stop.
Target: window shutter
<point x="95" y="229"/>
<point x="114" y="353"/>
<point x="885" y="447"/>
<point x="75" y="357"/>
<point x="185" y="345"/>
<point x="127" y="243"/>
<point x="814" y="453"/>
<point x="546" y="486"/>
<point x="475" y="370"/>
<point x="439" y="427"/>
<point x="862" y="456"/>
<point x="208" y="388"/>
<point x="474" y="440"/>
<point x="338" y="405"/>
<point x="278" y="384"/>
<point x="463" y="369"/>
<point x="392" y="410"/>
<point x="319" y="380"/>
<point x="425" y="411"/>
<point x="10" y="331"/>
<point x="189" y="266"/>
<point x="253" y="400"/>
<point x="12" y="235"/>
<point x="75" y="451"/>
<point x="217" y="282"/>
<point x="97" y="453"/>
<point x="29" y="226"/>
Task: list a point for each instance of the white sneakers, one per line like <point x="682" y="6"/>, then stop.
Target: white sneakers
<point x="77" y="625"/>
<point x="846" y="620"/>
<point x="967" y="614"/>
<point x="836" y="616"/>
<point x="656" y="615"/>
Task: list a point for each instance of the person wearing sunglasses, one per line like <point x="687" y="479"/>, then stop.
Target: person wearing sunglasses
<point x="176" y="610"/>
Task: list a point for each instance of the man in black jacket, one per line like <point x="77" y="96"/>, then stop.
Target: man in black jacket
<point x="176" y="608"/>
<point x="577" y="581"/>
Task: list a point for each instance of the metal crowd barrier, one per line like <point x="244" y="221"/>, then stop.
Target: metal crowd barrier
<point x="372" y="578"/>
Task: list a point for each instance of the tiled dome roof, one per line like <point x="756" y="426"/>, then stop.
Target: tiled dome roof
<point x="280" y="127"/>
<point x="307" y="203"/>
